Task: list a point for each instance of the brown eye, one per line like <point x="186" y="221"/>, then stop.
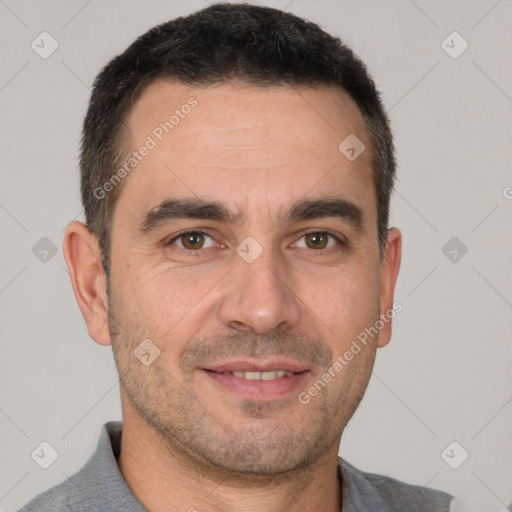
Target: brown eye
<point x="191" y="240"/>
<point x="317" y="240"/>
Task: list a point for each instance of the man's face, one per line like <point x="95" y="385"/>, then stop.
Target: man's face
<point x="261" y="293"/>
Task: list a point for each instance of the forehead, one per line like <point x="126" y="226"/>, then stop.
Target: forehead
<point x="240" y="143"/>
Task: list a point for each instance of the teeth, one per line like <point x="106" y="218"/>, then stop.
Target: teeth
<point x="276" y="374"/>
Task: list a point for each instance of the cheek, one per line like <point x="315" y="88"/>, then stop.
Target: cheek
<point x="168" y="303"/>
<point x="347" y="305"/>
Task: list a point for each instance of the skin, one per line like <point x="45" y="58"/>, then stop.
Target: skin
<point x="186" y="442"/>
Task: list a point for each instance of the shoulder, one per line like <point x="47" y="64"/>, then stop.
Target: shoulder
<point x="59" y="498"/>
<point x="370" y="491"/>
<point x="86" y="489"/>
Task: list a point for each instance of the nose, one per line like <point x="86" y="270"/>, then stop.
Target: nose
<point x="259" y="297"/>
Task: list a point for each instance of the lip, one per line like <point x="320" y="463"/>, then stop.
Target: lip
<point x="247" y="365"/>
<point x="260" y="390"/>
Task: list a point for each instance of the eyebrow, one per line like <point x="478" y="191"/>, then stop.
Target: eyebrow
<point x="196" y="208"/>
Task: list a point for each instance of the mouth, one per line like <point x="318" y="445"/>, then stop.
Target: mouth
<point x="253" y="375"/>
<point x="257" y="380"/>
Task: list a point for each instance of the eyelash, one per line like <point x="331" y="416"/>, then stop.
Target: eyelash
<point x="341" y="243"/>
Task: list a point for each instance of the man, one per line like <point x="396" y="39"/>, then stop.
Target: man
<point x="236" y="172"/>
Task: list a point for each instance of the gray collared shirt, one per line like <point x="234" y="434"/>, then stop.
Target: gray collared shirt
<point x="99" y="486"/>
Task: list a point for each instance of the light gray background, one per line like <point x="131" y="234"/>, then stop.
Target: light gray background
<point x="446" y="374"/>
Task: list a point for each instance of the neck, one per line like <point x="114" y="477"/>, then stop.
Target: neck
<point x="166" y="479"/>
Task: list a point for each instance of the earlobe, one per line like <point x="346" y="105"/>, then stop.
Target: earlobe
<point x="83" y="260"/>
<point x="389" y="268"/>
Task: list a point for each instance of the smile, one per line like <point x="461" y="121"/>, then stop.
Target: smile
<point x="276" y="374"/>
<point x="270" y="384"/>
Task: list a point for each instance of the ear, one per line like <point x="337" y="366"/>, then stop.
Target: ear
<point x="83" y="259"/>
<point x="389" y="267"/>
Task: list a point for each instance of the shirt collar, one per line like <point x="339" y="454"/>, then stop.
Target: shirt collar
<point x="101" y="477"/>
